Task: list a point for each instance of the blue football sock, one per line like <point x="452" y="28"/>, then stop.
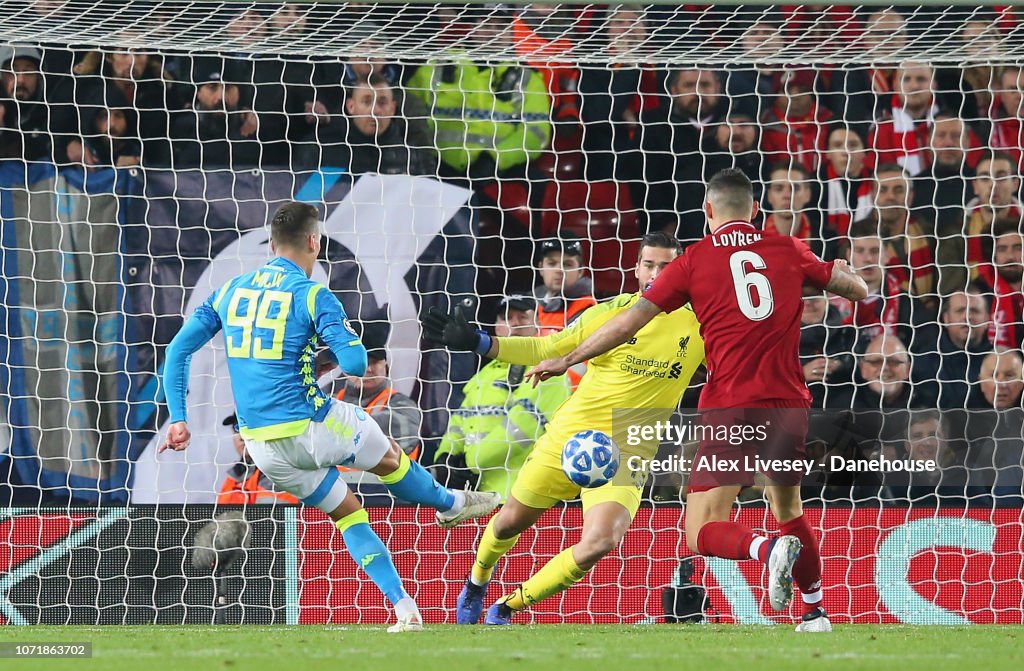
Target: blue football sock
<point x="411" y="482"/>
<point x="369" y="552"/>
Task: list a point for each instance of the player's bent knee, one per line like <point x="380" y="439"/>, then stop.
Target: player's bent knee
<point x="507" y="524"/>
<point x="593" y="547"/>
<point x="390" y="462"/>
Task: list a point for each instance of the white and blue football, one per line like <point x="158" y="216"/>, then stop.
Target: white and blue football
<point x="590" y="458"/>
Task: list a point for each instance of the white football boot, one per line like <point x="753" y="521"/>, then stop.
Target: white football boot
<point x="408" y="622"/>
<point x="780" y="571"/>
<point x="477" y="504"/>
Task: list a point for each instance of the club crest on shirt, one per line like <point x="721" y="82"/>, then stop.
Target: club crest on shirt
<point x="684" y="342"/>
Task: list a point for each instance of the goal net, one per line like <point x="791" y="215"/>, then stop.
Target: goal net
<point x="506" y="159"/>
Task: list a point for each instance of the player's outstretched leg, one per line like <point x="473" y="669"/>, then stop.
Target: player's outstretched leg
<point x="370" y="554"/>
<point x="710" y="533"/>
<point x="604" y="525"/>
<point x="498" y="538"/>
<point x="409" y="481"/>
<point x="788" y="510"/>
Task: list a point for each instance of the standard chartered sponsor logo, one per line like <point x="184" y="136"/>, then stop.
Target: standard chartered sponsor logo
<point x="659" y="368"/>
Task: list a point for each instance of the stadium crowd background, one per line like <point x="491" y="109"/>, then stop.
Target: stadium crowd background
<point x="913" y="172"/>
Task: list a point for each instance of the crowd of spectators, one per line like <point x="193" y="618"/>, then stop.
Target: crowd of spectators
<point x="911" y="171"/>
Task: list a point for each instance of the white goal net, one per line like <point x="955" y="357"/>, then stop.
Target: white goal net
<point x="507" y="159"/>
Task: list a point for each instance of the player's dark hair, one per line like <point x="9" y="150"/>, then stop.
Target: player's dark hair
<point x="292" y="223"/>
<point x="661" y="240"/>
<point x="731" y="192"/>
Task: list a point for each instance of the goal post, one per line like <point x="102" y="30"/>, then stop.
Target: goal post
<point x="144" y="146"/>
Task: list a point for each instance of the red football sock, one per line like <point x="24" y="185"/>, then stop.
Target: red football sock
<point x="728" y="540"/>
<point x="807" y="570"/>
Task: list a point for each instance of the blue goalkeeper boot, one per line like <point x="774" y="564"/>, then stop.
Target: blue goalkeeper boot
<point x="470" y="604"/>
<point x="499" y="614"/>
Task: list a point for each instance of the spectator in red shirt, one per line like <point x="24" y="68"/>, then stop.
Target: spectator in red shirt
<point x="908" y="244"/>
<point x="796" y="126"/>
<point x="902" y="135"/>
<point x="846" y="181"/>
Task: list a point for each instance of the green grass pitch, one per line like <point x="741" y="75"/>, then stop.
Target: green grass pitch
<point x="536" y="648"/>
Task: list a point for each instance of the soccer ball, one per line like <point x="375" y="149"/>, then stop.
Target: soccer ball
<point x="590" y="458"/>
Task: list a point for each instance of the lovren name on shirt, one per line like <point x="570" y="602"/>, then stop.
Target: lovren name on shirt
<point x="735" y="238"/>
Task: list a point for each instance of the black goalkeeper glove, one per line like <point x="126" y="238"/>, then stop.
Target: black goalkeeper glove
<point x="452" y="472"/>
<point x="452" y="331"/>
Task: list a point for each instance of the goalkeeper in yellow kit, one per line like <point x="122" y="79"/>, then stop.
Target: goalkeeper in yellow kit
<point x="649" y="373"/>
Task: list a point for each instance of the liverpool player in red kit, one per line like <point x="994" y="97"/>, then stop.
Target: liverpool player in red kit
<point x="746" y="288"/>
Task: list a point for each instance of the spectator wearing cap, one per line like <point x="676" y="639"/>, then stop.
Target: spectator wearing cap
<point x="135" y="81"/>
<point x="492" y="432"/>
<point x="396" y="414"/>
<point x="214" y="132"/>
<point x="667" y="165"/>
<point x="27" y="121"/>
<point x="244" y="482"/>
<point x="565" y="291"/>
<point x="795" y="127"/>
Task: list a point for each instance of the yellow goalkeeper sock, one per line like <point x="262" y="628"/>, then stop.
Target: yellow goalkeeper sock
<point x="560" y="573"/>
<point x="488" y="552"/>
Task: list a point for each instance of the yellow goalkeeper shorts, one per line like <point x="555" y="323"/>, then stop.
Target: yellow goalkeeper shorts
<point x="541" y="483"/>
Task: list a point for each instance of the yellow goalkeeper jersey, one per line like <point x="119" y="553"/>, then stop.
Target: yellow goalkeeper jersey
<point x="649" y="372"/>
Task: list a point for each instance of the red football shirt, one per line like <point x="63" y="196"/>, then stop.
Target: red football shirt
<point x="746" y="288"/>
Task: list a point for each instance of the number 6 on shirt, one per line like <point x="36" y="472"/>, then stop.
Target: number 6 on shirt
<point x="743" y="280"/>
<point x="258" y="305"/>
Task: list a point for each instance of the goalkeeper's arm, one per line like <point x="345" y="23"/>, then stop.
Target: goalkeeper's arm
<point x="455" y="333"/>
